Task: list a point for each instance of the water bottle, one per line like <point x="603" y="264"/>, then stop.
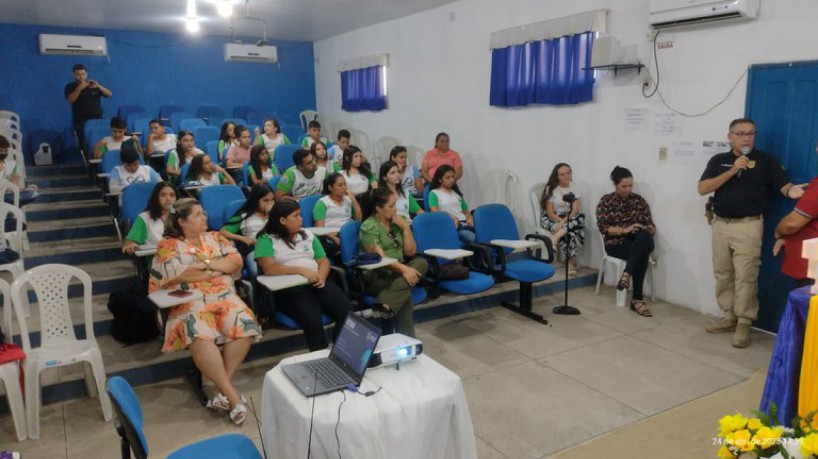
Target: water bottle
<point x="43" y="155"/>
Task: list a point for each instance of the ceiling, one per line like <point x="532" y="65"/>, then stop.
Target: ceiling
<point x="307" y="20"/>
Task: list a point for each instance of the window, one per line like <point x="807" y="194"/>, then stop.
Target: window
<point x="363" y="84"/>
<point x="545" y="63"/>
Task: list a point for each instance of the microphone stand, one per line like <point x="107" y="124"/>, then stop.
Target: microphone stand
<point x="565" y="309"/>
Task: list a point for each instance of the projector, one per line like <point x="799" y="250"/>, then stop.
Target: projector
<point x="395" y="348"/>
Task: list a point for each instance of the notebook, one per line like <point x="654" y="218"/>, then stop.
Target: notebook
<point x="345" y="365"/>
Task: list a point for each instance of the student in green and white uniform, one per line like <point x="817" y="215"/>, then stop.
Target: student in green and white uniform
<point x="158" y="141"/>
<point x="149" y="226"/>
<point x="303" y="179"/>
<point x="313" y="135"/>
<point x="284" y="247"/>
<point x="243" y="227"/>
<point x="336" y="152"/>
<point x="389" y="176"/>
<point x="272" y="136"/>
<point x="410" y="180"/>
<point x="187" y="145"/>
<point x="227" y="138"/>
<point x="262" y="168"/>
<point x="114" y="141"/>
<point x="205" y="173"/>
<point x="447" y="197"/>
<point x="359" y="178"/>
<point x="319" y="150"/>
<point x="337" y="207"/>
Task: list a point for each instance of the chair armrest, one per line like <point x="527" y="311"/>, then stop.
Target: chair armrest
<point x="501" y="255"/>
<point x="481" y="260"/>
<point x="548" y="247"/>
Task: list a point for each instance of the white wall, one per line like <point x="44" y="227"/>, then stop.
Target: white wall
<point x="439" y="81"/>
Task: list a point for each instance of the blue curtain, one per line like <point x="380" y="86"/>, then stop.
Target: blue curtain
<point x="543" y="72"/>
<point x="363" y="89"/>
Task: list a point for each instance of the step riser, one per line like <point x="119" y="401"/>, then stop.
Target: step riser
<point x="106" y="286"/>
<point x="102" y="327"/>
<point x="72" y="233"/>
<point x="68" y="197"/>
<point x="67" y="214"/>
<point x="44" y="183"/>
<point x="73" y="258"/>
<point x="50" y="171"/>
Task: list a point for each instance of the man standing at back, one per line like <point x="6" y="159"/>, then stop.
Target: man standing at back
<point x="84" y="95"/>
<point x="744" y="180"/>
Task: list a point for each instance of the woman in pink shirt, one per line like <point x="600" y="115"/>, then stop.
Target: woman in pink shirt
<point x="239" y="154"/>
<point x="439" y="156"/>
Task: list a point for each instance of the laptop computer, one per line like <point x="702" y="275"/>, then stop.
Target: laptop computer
<point x="345" y="365"/>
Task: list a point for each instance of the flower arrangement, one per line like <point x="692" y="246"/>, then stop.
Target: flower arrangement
<point x="760" y="437"/>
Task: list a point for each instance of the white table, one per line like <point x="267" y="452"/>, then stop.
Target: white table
<point x="163" y="300"/>
<point x="323" y="230"/>
<point x="276" y="283"/>
<point x="448" y="254"/>
<point x="385" y="261"/>
<point x="420" y="412"/>
<point x="516" y="244"/>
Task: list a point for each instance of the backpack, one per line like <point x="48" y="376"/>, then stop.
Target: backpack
<point x="134" y="316"/>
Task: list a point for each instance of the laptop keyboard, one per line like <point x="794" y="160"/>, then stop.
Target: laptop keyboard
<point x="327" y="373"/>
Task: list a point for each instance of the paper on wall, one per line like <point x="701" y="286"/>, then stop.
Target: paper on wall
<point x="695" y="152"/>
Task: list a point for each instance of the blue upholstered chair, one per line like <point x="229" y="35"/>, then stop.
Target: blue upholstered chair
<point x="214" y="199"/>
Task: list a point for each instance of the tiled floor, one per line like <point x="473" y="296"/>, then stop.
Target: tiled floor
<point x="532" y="389"/>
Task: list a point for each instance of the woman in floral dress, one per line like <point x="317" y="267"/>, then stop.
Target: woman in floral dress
<point x="191" y="258"/>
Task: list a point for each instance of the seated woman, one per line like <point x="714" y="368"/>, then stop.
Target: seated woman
<point x="410" y="178"/>
<point x="149" y="226"/>
<point x="190" y="257"/>
<point x="262" y="168"/>
<point x="184" y="153"/>
<point x="336" y="207"/>
<point x="624" y="218"/>
<point x="445" y="196"/>
<point x="560" y="218"/>
<point x="272" y="136"/>
<point x="388" y="234"/>
<point x="205" y="173"/>
<point x="356" y="171"/>
<point x="227" y="139"/>
<point x="439" y="155"/>
<point x="284" y="247"/>
<point x="243" y="227"/>
<point x="239" y="153"/>
<point x="390" y="177"/>
<point x="319" y="150"/>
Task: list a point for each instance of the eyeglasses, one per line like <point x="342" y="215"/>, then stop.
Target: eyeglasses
<point x="394" y="238"/>
<point x="744" y="134"/>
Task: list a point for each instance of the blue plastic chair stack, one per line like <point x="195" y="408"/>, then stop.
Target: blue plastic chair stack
<point x="130" y="421"/>
<point x="214" y="199"/>
<point x="434" y="230"/>
<point x="495" y="221"/>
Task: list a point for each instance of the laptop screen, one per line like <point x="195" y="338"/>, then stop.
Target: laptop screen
<point x="355" y="345"/>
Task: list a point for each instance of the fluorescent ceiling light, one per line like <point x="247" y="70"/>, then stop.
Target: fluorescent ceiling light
<point x="225" y="8"/>
<point x="192" y="19"/>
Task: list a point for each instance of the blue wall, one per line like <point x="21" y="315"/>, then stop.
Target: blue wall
<point x="149" y="69"/>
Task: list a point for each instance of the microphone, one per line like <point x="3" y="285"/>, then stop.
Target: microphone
<point x="744" y="152"/>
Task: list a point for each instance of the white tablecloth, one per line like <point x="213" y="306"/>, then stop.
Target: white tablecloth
<point x="420" y="412"/>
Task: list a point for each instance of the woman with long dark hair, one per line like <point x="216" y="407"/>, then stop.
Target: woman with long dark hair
<point x="149" y="226"/>
<point x="624" y="218"/>
<point x="284" y="247"/>
<point x="562" y="218"/>
<point x="243" y="227"/>
<point x="390" y="176"/>
<point x="356" y="171"/>
<point x="445" y="196"/>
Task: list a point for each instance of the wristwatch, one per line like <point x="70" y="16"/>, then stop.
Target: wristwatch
<point x="207" y="264"/>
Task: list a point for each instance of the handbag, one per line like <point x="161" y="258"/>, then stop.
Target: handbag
<point x="454" y="271"/>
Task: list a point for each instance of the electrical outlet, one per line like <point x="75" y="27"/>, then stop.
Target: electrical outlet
<point x="647" y="79"/>
<point x="662" y="153"/>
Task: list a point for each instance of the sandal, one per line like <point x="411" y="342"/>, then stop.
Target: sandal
<point x="624" y="282"/>
<point x="572" y="272"/>
<point x="641" y="308"/>
<point x="238" y="414"/>
<point x="219" y="402"/>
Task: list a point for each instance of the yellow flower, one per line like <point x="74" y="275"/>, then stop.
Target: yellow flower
<point x="725" y="453"/>
<point x="731" y="423"/>
<point x="767" y="437"/>
<point x="809" y="445"/>
<point x="754" y="424"/>
<point x="741" y="440"/>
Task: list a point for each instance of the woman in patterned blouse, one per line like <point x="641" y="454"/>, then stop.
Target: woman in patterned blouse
<point x="624" y="218"/>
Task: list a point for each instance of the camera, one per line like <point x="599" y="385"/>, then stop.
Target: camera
<point x="569" y="198"/>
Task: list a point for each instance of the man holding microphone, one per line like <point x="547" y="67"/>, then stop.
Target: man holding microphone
<point x="84" y="96"/>
<point x="744" y="180"/>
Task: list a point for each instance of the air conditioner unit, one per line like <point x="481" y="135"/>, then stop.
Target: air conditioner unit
<point x="73" y="44"/>
<point x="250" y="53"/>
<point x="677" y="13"/>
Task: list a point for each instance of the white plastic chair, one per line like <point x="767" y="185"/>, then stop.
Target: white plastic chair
<point x="59" y="345"/>
<point x="414" y="156"/>
<point x="306" y="116"/>
<point x="10" y="372"/>
<point x="13" y="240"/>
<point x="5" y="114"/>
<point x="619" y="268"/>
<point x="384" y="145"/>
<point x="6" y="186"/>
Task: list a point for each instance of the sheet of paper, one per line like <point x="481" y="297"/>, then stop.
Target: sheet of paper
<point x="635" y="119"/>
<point x="666" y="124"/>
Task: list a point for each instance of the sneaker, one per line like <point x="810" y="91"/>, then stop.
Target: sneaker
<point x="238" y="414"/>
<point x="725" y="325"/>
<point x="741" y="338"/>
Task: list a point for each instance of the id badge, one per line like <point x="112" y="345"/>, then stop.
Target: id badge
<point x="751" y="164"/>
